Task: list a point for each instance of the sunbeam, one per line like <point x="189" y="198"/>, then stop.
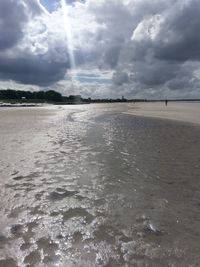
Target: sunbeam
<point x="69" y="37"/>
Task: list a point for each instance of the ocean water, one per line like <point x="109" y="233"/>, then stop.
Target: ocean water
<point x="96" y="187"/>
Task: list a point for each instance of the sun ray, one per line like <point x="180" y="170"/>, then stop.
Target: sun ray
<point x="68" y="32"/>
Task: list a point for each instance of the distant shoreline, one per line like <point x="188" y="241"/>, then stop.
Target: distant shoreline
<point x="7" y="105"/>
<point x="178" y="111"/>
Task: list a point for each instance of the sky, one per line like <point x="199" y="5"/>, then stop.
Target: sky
<point x="102" y="48"/>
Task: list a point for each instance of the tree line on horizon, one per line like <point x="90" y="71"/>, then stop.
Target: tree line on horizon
<point x="55" y="97"/>
<point x="42" y="96"/>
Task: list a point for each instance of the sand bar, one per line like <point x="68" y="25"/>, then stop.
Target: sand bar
<point x="181" y="111"/>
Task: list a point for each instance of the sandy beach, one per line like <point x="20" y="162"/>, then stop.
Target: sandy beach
<point x="23" y="131"/>
<point x="181" y="111"/>
<point x="92" y="185"/>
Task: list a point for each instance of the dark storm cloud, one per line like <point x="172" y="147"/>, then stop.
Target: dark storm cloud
<point x="186" y="78"/>
<point x="26" y="54"/>
<point x="12" y="19"/>
<point x="32" y="70"/>
<point x="119" y="78"/>
<point x="154" y="73"/>
<point x="162" y="43"/>
<point x="181" y="29"/>
<point x="111" y="55"/>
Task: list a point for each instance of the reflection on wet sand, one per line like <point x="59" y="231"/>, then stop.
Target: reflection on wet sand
<point x="91" y="186"/>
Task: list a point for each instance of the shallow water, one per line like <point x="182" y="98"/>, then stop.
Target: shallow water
<point x="96" y="187"/>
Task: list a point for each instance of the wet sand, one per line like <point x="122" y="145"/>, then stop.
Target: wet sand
<point x="92" y="186"/>
<point x="181" y="111"/>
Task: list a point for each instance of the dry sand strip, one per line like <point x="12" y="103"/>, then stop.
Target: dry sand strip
<point x="181" y="111"/>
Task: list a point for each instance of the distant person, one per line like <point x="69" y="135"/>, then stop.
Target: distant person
<point x="166" y="101"/>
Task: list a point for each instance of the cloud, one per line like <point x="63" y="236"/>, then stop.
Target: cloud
<point x="181" y="40"/>
<point x="119" y="78"/>
<point x="34" y="48"/>
<point x="11" y="26"/>
<point x="150" y="47"/>
<point x="14" y="15"/>
<point x="32" y="70"/>
<point x="172" y="34"/>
